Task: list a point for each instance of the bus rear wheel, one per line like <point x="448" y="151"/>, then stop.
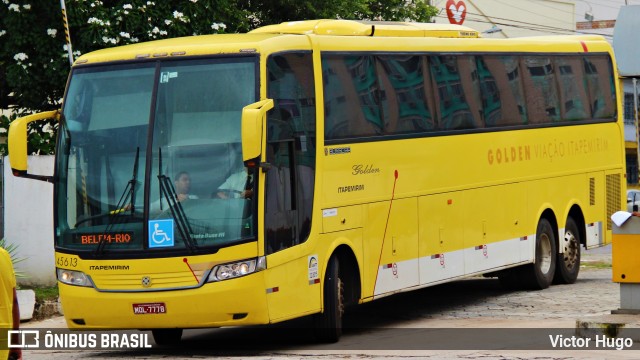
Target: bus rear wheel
<point x="568" y="264"/>
<point x="166" y="337"/>
<point x="539" y="275"/>
<point x="328" y="324"/>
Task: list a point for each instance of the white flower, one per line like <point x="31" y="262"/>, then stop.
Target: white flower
<point x="125" y="35"/>
<point x="2" y="32"/>
<point x="20" y="57"/>
<point x="14" y="7"/>
<point x="93" y="20"/>
<point x="194" y="1"/>
<point x="162" y="32"/>
<point x="27" y="6"/>
<point x="3" y="130"/>
<point x="52" y="32"/>
<point x="127" y="6"/>
<point x="155" y="30"/>
<point x="47" y="128"/>
<point x="107" y="40"/>
<point x="217" y="26"/>
<point x="150" y="3"/>
<point x="167" y="22"/>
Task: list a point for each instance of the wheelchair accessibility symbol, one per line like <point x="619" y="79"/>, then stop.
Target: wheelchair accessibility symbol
<point x="160" y="233"/>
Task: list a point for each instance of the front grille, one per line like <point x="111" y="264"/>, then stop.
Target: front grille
<point x="150" y="281"/>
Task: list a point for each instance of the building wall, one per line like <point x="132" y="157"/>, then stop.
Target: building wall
<point x="28" y="220"/>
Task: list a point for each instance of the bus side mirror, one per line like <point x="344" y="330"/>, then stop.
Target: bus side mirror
<point x="18" y="144"/>
<point x="252" y="128"/>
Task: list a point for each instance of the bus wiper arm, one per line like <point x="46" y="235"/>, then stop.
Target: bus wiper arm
<point x="177" y="212"/>
<point x="126" y="199"/>
<point x="168" y="192"/>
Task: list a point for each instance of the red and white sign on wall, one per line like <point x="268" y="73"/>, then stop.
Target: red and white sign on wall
<point x="456" y="11"/>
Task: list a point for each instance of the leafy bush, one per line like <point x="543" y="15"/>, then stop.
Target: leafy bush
<point x="12" y="249"/>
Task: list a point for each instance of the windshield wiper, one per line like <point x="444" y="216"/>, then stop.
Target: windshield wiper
<point x="168" y="192"/>
<point x="127" y="197"/>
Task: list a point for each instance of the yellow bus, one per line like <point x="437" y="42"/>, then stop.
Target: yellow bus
<point x="298" y="169"/>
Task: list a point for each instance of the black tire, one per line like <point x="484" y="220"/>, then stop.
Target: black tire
<point x="167" y="337"/>
<point x="328" y="324"/>
<point x="539" y="275"/>
<point x="568" y="262"/>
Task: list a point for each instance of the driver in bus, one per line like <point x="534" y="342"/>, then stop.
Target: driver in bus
<point x="182" y="185"/>
<point x="238" y="185"/>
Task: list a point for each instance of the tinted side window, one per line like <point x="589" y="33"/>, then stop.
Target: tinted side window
<point x="600" y="84"/>
<point x="574" y="99"/>
<point x="291" y="148"/>
<point x="380" y="95"/>
<point x="406" y="93"/>
<point x="351" y="92"/>
<point x="541" y="91"/>
<point x="502" y="90"/>
<point x="457" y="95"/>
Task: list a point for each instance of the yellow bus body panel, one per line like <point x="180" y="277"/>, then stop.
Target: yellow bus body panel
<point x="414" y="212"/>
<point x="189" y="302"/>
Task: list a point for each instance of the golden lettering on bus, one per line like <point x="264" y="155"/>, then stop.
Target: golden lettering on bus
<point x="509" y="154"/>
<point x="549" y="150"/>
<point x="554" y="149"/>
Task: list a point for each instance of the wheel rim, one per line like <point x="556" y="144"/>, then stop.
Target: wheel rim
<point x="545" y="253"/>
<point x="570" y="254"/>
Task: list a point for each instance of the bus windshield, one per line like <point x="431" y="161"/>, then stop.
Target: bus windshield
<point x="149" y="157"/>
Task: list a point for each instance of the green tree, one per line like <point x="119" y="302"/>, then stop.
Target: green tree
<point x="33" y="52"/>
<point x="277" y="11"/>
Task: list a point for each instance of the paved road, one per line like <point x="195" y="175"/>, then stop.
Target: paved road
<point x="401" y="326"/>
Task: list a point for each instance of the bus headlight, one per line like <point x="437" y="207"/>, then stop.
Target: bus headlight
<point x="72" y="277"/>
<point x="237" y="269"/>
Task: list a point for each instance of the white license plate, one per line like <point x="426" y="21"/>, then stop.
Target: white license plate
<point x="149" y="308"/>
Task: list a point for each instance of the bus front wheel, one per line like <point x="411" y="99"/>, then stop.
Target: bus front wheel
<point x="328" y="324"/>
<point x="568" y="264"/>
<point x="166" y="337"/>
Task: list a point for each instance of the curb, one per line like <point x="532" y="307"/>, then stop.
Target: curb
<point x="47" y="309"/>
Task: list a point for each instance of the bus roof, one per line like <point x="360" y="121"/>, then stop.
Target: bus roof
<point x="369" y="28"/>
<point x="343" y="35"/>
<point x="183" y="46"/>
